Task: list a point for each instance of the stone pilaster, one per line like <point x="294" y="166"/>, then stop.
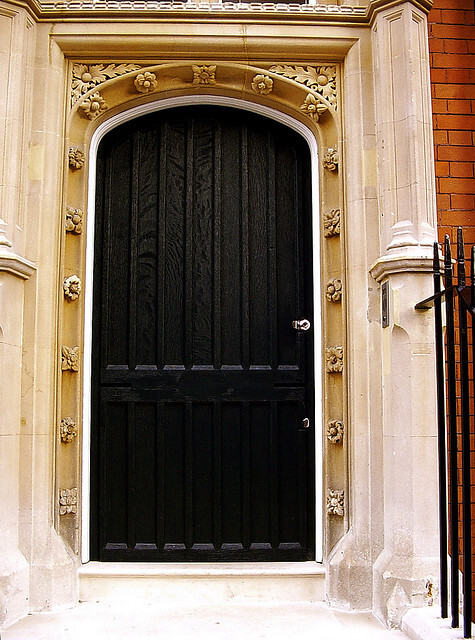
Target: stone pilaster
<point x="406" y="204"/>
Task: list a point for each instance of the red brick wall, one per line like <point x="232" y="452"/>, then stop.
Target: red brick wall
<point x="452" y="60"/>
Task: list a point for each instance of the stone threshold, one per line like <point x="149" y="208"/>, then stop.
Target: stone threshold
<point x="179" y="569"/>
<point x="289" y="581"/>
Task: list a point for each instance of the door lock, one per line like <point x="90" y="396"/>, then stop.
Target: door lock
<point x="301" y="325"/>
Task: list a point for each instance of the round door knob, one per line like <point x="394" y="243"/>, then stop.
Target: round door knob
<point x="301" y="325"/>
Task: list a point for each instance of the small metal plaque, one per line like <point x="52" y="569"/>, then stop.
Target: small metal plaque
<point x="385" y="304"/>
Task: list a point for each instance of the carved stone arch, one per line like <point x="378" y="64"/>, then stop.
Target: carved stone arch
<point x="291" y="90"/>
<point x="119" y="99"/>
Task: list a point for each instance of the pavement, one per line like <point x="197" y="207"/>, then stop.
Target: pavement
<point x="104" y="620"/>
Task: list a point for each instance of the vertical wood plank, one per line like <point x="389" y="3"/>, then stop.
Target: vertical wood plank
<point x="189" y="206"/>
<point x="189" y="524"/>
<point x="246" y="354"/>
<point x="178" y="238"/>
<point x="118" y="232"/>
<point x="217" y="475"/>
<point x="274" y="507"/>
<point x="131" y="486"/>
<point x="149" y="287"/>
<point x="202" y="247"/>
<point x="271" y="255"/>
<point x="133" y="247"/>
<point x="161" y="247"/>
<point x="160" y="475"/>
<point x="216" y="244"/>
<point x="246" y="476"/>
<point x="287" y="267"/>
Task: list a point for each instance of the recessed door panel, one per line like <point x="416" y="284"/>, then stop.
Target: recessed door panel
<point x="200" y="382"/>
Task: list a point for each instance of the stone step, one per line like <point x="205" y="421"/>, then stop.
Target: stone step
<point x="202" y="582"/>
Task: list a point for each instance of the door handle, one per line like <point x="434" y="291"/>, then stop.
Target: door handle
<point x="301" y="325"/>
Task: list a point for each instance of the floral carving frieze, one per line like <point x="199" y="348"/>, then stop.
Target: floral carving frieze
<point x="76" y="158"/>
<point x="68" y="501"/>
<point x="333" y="290"/>
<point x="69" y="358"/>
<point x="72" y="287"/>
<point x="334" y="359"/>
<point x="87" y="76"/>
<point x="67" y="430"/>
<point x="73" y="220"/>
<point x="331" y="223"/>
<point x="322" y="80"/>
<point x="318" y="84"/>
<point x="336" y="503"/>
<point x="335" y="431"/>
<point x="204" y="74"/>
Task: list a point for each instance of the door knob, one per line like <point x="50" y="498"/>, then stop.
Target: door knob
<point x="301" y="325"/>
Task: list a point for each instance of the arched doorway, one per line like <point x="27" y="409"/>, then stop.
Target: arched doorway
<point x="200" y="385"/>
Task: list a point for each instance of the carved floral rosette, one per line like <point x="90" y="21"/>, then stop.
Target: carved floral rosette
<point x="94" y="105"/>
<point x="72" y="287"/>
<point x="69" y="358"/>
<point x="333" y="290"/>
<point x="331" y="159"/>
<point x="76" y="158"/>
<point x="312" y="107"/>
<point x="336" y="503"/>
<point x="68" y="501"/>
<point x="334" y="359"/>
<point x="262" y="84"/>
<point x="145" y="82"/>
<point x="204" y="74"/>
<point x="335" y="431"/>
<point x="74" y="220"/>
<point x="331" y="223"/>
<point x="67" y="430"/>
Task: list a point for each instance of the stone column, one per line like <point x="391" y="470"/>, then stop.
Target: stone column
<point x="408" y="561"/>
<point x="15" y="269"/>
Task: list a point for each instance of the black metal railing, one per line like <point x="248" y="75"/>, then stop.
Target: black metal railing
<point x="456" y="421"/>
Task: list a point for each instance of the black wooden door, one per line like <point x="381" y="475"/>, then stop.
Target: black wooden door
<point x="200" y="383"/>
